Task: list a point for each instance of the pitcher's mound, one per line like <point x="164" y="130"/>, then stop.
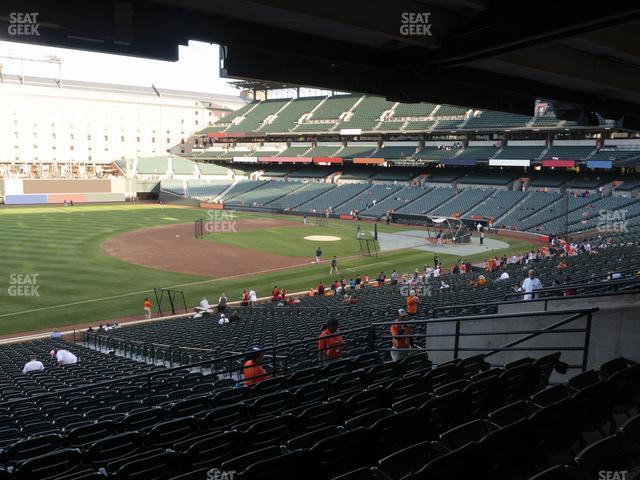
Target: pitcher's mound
<point x="322" y="238"/>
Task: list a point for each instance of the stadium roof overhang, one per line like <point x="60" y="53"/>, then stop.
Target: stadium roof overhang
<point x="491" y="54"/>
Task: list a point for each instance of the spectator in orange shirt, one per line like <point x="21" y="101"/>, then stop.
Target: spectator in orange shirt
<point x="482" y="281"/>
<point x="331" y="343"/>
<point x="400" y="336"/>
<point x="147" y="308"/>
<point x="312" y="292"/>
<point x="412" y="303"/>
<point x="252" y="370"/>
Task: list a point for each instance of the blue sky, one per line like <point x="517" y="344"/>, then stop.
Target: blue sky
<point x="196" y="69"/>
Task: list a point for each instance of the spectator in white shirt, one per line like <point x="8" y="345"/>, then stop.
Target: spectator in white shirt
<point x="65" y="357"/>
<point x="530" y="284"/>
<point x="253" y="298"/>
<point x="33" y="365"/>
<point x="204" y="304"/>
<point x="504" y="276"/>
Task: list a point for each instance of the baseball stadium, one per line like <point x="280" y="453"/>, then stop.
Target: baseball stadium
<point x="396" y="247"/>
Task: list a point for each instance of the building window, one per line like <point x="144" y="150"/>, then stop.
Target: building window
<point x="106" y="138"/>
<point x="153" y="139"/>
<point x="138" y="139"/>
<point x="72" y="147"/>
<point x="196" y="122"/>
<point x="89" y="158"/>
<point x="89" y="137"/>
<point x="168" y="140"/>
<point x="122" y="138"/>
<point x="182" y="141"/>
<point x="71" y="136"/>
<point x="35" y="146"/>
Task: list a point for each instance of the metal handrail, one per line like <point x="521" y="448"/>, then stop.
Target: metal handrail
<point x="434" y="310"/>
<point x="574" y="314"/>
<point x="586" y="286"/>
<point x="270" y="353"/>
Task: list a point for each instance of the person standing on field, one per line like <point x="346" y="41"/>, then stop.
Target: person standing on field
<point x="147" y="308"/>
<point x="318" y="254"/>
<point x="334" y="266"/>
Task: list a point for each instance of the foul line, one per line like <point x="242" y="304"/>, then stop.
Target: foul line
<point x="191" y="284"/>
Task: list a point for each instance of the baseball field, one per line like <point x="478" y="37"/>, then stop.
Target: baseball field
<point x="81" y="265"/>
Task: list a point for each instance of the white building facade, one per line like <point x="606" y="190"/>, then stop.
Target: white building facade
<point x="44" y="121"/>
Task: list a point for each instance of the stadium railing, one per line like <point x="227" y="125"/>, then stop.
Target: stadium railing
<point x="570" y="316"/>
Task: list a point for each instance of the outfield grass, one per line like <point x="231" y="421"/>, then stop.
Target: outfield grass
<point x="77" y="282"/>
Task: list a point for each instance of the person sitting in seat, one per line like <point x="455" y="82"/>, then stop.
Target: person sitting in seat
<point x="331" y="343"/>
<point x="204" y="306"/>
<point x="252" y="370"/>
<point x="64" y="357"/>
<point x="33" y="365"/>
<point x="55" y="334"/>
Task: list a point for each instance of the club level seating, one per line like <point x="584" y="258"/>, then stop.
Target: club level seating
<point x="391" y="125"/>
<point x="462" y="202"/>
<point x="396" y="152"/>
<point x="629" y="184"/>
<point x="313" y="127"/>
<point x="496" y="205"/>
<point x="589" y="181"/>
<point x="519" y="152"/>
<point x="394" y="175"/>
<point x="444" y="176"/>
<point x="478" y="153"/>
<point x="448" y="124"/>
<point x="332" y="198"/>
<point x="614" y="154"/>
<point x="278" y="172"/>
<point x="420" y="124"/>
<point x="428" y="202"/>
<point x="551" y="180"/>
<point x="318" y="172"/>
<point x="364" y="173"/>
<point x="569" y="152"/>
<point x="323" y="151"/>
<point x="295" y="151"/>
<point x="393" y="202"/>
<point x="366" y="199"/>
<point x="488" y="178"/>
<point x="356" y="151"/>
<point x="435" y="153"/>
<point x="182" y="166"/>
